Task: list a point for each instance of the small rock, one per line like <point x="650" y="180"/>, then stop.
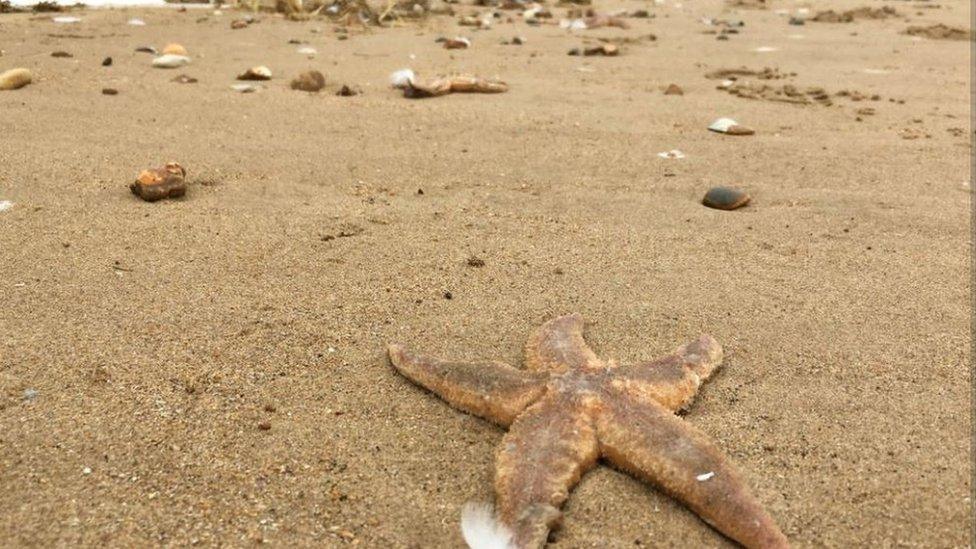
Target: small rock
<point x="110" y="91"/>
<point x="184" y="79"/>
<point x="245" y="88"/>
<point x="159" y="183"/>
<point x="518" y="41"/>
<point x="256" y="73"/>
<point x="175" y="49"/>
<point x="65" y="19"/>
<point x="607" y="50"/>
<point x="457" y="43"/>
<point x="5" y="205"/>
<point x="346" y="91"/>
<point x="309" y="81"/>
<point x="147" y="49"/>
<point x="307" y="50"/>
<point x="86" y="471"/>
<point x="730" y="127"/>
<point x="476" y="262"/>
<point x="14" y="79"/>
<point x="673" y="153"/>
<point x="239" y="24"/>
<point x="30" y="394"/>
<point x="170" y="61"/>
<point x="264" y="425"/>
<point x="725" y="198"/>
<point x="448" y="295"/>
<point x="61" y="54"/>
<point x="137" y="22"/>
<point x="107" y="62"/>
<point x="797" y="21"/>
<point x="674" y="89"/>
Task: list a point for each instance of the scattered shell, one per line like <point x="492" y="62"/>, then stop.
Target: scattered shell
<point x="107" y="62"/>
<point x="170" y="61"/>
<point x="65" y="19"/>
<point x="256" y="73"/>
<point x="725" y="198"/>
<point x="674" y="89"/>
<point x="175" y="49"/>
<point x="110" y="91"/>
<point x="673" y="153"/>
<point x="159" y="183"/>
<point x="61" y="54"/>
<point x="307" y="50"/>
<point x="5" y="205"/>
<point x="184" y="79"/>
<point x="147" y="49"/>
<point x="245" y="88"/>
<point x="14" y="79"/>
<point x="310" y="81"/>
<point x="137" y="22"/>
<point x="730" y="127"/>
<point x="402" y="78"/>
<point x="457" y="43"/>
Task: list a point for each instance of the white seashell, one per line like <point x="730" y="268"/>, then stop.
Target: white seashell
<point x="245" y="88"/>
<point x="402" y="78"/>
<point x="170" y="61"/>
<point x="137" y="22"/>
<point x="308" y="50"/>
<point x="764" y="49"/>
<point x="673" y="153"/>
<point x="705" y="476"/>
<point x="66" y="19"/>
<point x="722" y="125"/>
<point x="14" y="79"/>
<point x="256" y="73"/>
<point x="5" y="205"/>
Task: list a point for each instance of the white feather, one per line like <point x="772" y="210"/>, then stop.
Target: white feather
<point x="482" y="530"/>
<point x="402" y="78"/>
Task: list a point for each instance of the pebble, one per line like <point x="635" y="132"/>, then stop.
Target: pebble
<point x="674" y="89"/>
<point x="308" y="50"/>
<point x="457" y="43"/>
<point x="110" y="91"/>
<point x="14" y="79"/>
<point x="65" y="19"/>
<point x="256" y="73"/>
<point x="155" y="184"/>
<point x="147" y="49"/>
<point x="310" y="81"/>
<point x="184" y="79"/>
<point x="673" y="153"/>
<point x="5" y="205"/>
<point x="170" y="61"/>
<point x="107" y="62"/>
<point x="175" y="49"/>
<point x="730" y="127"/>
<point x="264" y="425"/>
<point x="137" y="22"/>
<point x="30" y="394"/>
<point x="86" y="471"/>
<point x="346" y="91"/>
<point x="245" y="88"/>
<point x="61" y="54"/>
<point x="725" y="198"/>
<point x="238" y="24"/>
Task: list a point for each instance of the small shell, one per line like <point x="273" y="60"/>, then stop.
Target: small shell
<point x="725" y="198"/>
<point x="64" y="19"/>
<point x="15" y="79"/>
<point x="730" y="127"/>
<point x="402" y="78"/>
<point x="457" y="43"/>
<point x="256" y="73"/>
<point x="245" y="88"/>
<point x="170" y="61"/>
<point x="175" y="49"/>
<point x="137" y="22"/>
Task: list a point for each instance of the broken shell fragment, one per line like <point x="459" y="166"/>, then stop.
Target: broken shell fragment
<point x="174" y="49"/>
<point x="311" y="81"/>
<point x="673" y="153"/>
<point x="457" y="43"/>
<point x="170" y="61"/>
<point x="159" y="183"/>
<point x="245" y="88"/>
<point x="725" y="198"/>
<point x="14" y="79"/>
<point x="730" y="127"/>
<point x="256" y="73"/>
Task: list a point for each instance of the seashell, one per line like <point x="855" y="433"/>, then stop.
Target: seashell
<point x="311" y="81"/>
<point x="308" y="50"/>
<point x="673" y="153"/>
<point x="147" y="49"/>
<point x="65" y="19"/>
<point x="725" y="198"/>
<point x="256" y="73"/>
<point x="402" y="78"/>
<point x="170" y="61"/>
<point x="174" y="49"/>
<point x="14" y="79"/>
<point x="730" y="127"/>
<point x="159" y="183"/>
<point x="245" y="88"/>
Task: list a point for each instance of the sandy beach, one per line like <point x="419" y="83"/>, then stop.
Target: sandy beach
<point x="211" y="370"/>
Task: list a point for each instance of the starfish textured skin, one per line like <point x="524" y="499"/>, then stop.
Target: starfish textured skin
<point x="568" y="408"/>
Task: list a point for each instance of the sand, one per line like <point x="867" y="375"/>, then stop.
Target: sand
<point x="160" y="338"/>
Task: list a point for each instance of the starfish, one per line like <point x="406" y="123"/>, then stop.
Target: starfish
<point x="568" y="408"/>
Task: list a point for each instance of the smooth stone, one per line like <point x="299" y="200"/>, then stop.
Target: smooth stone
<point x="256" y="73"/>
<point x="175" y="49"/>
<point x="14" y="79"/>
<point x="311" y="81"/>
<point x="107" y="62"/>
<point x="725" y="198"/>
<point x="155" y="184"/>
<point x="170" y="61"/>
<point x="61" y="54"/>
<point x="674" y="89"/>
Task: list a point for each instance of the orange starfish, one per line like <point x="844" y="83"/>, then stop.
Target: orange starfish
<point x="568" y="408"/>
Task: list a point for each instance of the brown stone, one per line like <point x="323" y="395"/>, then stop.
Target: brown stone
<point x="155" y="184"/>
<point x="310" y="81"/>
<point x="725" y="198"/>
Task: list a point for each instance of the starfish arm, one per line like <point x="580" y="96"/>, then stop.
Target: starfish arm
<point x="494" y="391"/>
<point x="543" y="455"/>
<point x="672" y="381"/>
<point x="653" y="444"/>
<point x="558" y="345"/>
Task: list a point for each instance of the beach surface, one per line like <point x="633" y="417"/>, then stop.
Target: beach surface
<point x="211" y="370"/>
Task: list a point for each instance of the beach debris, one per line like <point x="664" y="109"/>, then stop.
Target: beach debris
<point x="107" y="62"/>
<point x="309" y="81"/>
<point x="170" y="61"/>
<point x="831" y="16"/>
<point x="155" y="184"/>
<point x="673" y="153"/>
<point x="308" y="50"/>
<point x="147" y="49"/>
<point x="65" y="19"/>
<point x="606" y="50"/>
<point x="256" y="73"/>
<point x="734" y="74"/>
<point x="175" y="49"/>
<point x="725" y="198"/>
<point x="730" y="127"/>
<point x="673" y="89"/>
<point x="62" y="54"/>
<point x="939" y="32"/>
<point x="136" y="22"/>
<point x="239" y="24"/>
<point x="245" y="88"/>
<point x="413" y="87"/>
<point x="15" y="79"/>
<point x="456" y="43"/>
<point x="184" y="79"/>
<point x="5" y="205"/>
<point x="110" y="91"/>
